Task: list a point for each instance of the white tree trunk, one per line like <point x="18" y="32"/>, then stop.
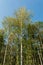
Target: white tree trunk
<point x="21" y="42"/>
<point x="21" y="53"/>
<point x="5" y="55"/>
<point x="40" y="58"/>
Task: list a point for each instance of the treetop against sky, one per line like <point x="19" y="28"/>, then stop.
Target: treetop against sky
<point x="7" y="8"/>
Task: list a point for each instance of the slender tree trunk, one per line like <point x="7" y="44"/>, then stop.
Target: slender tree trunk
<point x="21" y="53"/>
<point x="21" y="42"/>
<point x="5" y="55"/>
<point x="11" y="56"/>
<point x="40" y="58"/>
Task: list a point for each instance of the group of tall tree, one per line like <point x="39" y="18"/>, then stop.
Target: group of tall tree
<point x="21" y="40"/>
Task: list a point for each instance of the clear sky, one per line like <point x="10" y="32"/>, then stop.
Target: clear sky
<point x="7" y="8"/>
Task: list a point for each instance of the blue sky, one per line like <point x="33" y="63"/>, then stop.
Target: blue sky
<point x="7" y="8"/>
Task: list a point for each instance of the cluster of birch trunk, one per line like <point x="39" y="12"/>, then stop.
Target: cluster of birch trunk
<point x="23" y="40"/>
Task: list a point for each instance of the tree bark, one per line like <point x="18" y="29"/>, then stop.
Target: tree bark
<point x="21" y="53"/>
<point x="5" y="55"/>
<point x="40" y="58"/>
